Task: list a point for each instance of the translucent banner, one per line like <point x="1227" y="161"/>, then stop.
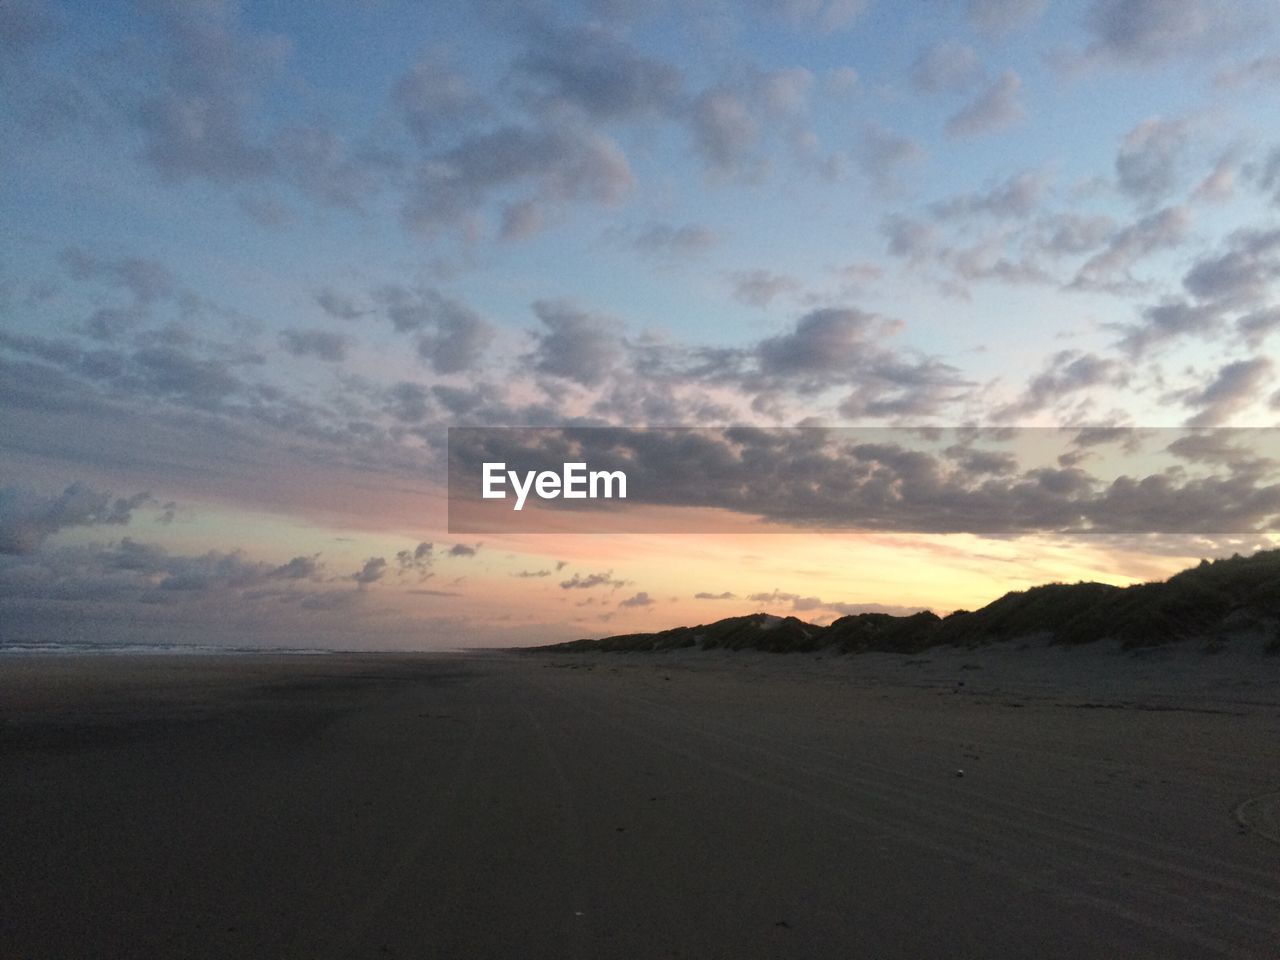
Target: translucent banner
<point x="954" y="480"/>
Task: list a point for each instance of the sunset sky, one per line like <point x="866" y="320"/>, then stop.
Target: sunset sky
<point x="257" y="257"/>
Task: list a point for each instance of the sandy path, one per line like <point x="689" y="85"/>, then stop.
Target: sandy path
<point x="629" y="807"/>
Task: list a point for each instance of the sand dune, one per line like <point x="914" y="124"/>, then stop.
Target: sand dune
<point x="647" y="805"/>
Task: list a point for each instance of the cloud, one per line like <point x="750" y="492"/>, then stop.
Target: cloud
<point x="907" y="480"/>
<point x="1148" y="31"/>
<point x="419" y="560"/>
<point x="1167" y="320"/>
<point x="1237" y="280"/>
<point x="435" y="100"/>
<point x="909" y="238"/>
<point x="1110" y="269"/>
<point x="823" y="341"/>
<point x="1219" y="185"/>
<point x="759" y="288"/>
<point x="667" y="240"/>
<point x="783" y="93"/>
<point x="319" y="163"/>
<point x="994" y="109"/>
<point x="299" y="568"/>
<point x="715" y="596"/>
<point x="168" y="371"/>
<point x="1266" y="176"/>
<point x="339" y="305"/>
<point x="724" y="131"/>
<point x="193" y="116"/>
<point x="552" y="164"/>
<point x="531" y="574"/>
<point x="1259" y="70"/>
<point x="641" y="599"/>
<point x="409" y="402"/>
<point x="595" y="71"/>
<point x="451" y="336"/>
<point x="148" y="280"/>
<point x="25" y="24"/>
<point x="841" y="80"/>
<point x="1243" y="275"/>
<point x="1066" y="372"/>
<point x="576" y="345"/>
<point x="826" y="16"/>
<point x="593" y="580"/>
<point x="140" y="572"/>
<point x="1216" y="448"/>
<point x="1069" y="234"/>
<point x="1234" y="387"/>
<point x="1001" y="16"/>
<point x="946" y="67"/>
<point x="132" y="592"/>
<point x="463" y="550"/>
<point x="28" y="518"/>
<point x="1146" y="166"/>
<point x="321" y="344"/>
<point x="373" y="570"/>
<point x="1014" y="198"/>
<point x="1255" y="327"/>
<point x="883" y="155"/>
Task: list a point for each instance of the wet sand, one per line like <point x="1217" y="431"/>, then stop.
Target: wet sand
<point x="636" y="806"/>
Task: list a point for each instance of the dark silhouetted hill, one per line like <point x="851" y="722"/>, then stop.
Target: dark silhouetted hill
<point x="1211" y="602"/>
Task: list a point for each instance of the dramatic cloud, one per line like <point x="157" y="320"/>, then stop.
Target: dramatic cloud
<point x="592" y="580"/>
<point x="666" y="240"/>
<point x="436" y="100"/>
<point x="1237" y="281"/>
<point x="321" y="344"/>
<point x="553" y="165"/>
<point x="759" y="288"/>
<point x="1146" y="166"/>
<point x="576" y="345"/>
<point x="194" y="117"/>
<point x="132" y="592"/>
<point x="884" y="155"/>
<point x="724" y="131"/>
<point x="451" y="337"/>
<point x="419" y="560"/>
<point x="924" y="481"/>
<point x="1234" y="387"/>
<point x="1260" y="70"/>
<point x="1144" y="31"/>
<point x="373" y="570"/>
<point x="826" y="16"/>
<point x="148" y="280"/>
<point x="1111" y="268"/>
<point x="596" y="72"/>
<point x="994" y="109"/>
<point x="339" y="305"/>
<point x="1014" y="198"/>
<point x="824" y="341"/>
<point x="1243" y="275"/>
<point x="27" y="519"/>
<point x="1069" y="234"/>
<point x="946" y="67"/>
<point x="1001" y="16"/>
<point x="1066" y="372"/>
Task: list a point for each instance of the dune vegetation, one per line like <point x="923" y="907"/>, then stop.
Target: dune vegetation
<point x="1212" y="602"/>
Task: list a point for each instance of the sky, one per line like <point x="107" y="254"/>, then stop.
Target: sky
<point x="257" y="258"/>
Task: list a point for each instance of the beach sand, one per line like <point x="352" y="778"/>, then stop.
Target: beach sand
<point x="989" y="803"/>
